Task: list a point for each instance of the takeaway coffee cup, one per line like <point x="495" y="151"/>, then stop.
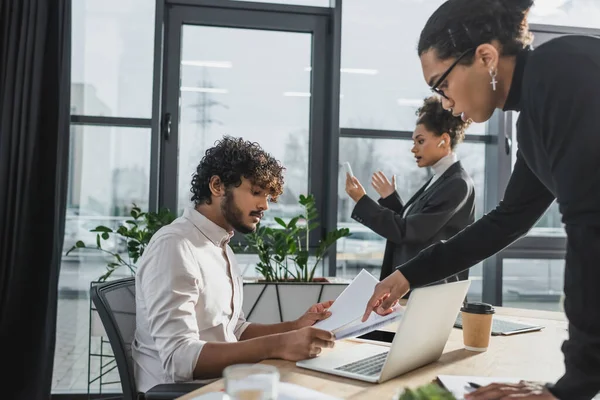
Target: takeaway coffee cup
<point x="477" y="325"/>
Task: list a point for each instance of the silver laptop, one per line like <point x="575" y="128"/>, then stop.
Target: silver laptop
<point x="419" y="340"/>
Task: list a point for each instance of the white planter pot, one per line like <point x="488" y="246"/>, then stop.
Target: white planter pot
<point x="270" y="303"/>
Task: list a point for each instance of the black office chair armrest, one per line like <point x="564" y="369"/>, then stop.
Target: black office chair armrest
<point x="170" y="391"/>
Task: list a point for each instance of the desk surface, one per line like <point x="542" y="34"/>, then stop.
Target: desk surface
<point x="532" y="356"/>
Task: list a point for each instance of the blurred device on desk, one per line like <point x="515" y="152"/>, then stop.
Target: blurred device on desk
<point x="504" y="327"/>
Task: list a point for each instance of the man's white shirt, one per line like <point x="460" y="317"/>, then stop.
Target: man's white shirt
<point x="188" y="292"/>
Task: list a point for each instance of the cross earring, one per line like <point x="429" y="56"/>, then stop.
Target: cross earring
<point x="493" y="74"/>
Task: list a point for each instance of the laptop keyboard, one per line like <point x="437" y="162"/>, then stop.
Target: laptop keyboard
<point x="370" y="366"/>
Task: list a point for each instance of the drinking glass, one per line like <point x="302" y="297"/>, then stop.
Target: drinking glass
<point x="251" y="382"/>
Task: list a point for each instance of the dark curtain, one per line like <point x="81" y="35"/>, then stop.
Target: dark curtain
<point x="34" y="140"/>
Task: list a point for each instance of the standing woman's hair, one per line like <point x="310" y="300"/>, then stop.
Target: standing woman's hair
<point x="459" y="25"/>
<point x="439" y="121"/>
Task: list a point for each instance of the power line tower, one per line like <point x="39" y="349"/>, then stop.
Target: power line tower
<point x="203" y="108"/>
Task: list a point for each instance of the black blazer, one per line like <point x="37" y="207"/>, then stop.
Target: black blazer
<point x="437" y="213"/>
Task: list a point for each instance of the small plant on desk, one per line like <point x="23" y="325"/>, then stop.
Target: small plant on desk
<point x="431" y="391"/>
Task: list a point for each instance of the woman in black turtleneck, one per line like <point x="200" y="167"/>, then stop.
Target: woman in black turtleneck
<point x="476" y="55"/>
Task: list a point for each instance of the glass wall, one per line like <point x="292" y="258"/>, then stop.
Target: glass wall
<point x="109" y="167"/>
<point x="381" y="80"/>
<point x="313" y="3"/>
<point x="246" y="83"/>
<point x="112" y="58"/>
<point x="577" y="13"/>
<point x="533" y="283"/>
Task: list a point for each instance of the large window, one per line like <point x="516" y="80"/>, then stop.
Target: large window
<point x="314" y="3"/>
<point x="533" y="283"/>
<point x="579" y="13"/>
<point x="105" y="179"/>
<point x="246" y="83"/>
<point x="109" y="166"/>
<point x="381" y="80"/>
<point x="112" y="56"/>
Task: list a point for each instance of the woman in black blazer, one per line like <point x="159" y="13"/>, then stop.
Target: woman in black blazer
<point x="441" y="208"/>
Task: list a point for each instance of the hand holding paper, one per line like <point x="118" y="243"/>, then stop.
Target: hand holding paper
<point x="462" y="387"/>
<point x="316" y="313"/>
<point x="347" y="310"/>
<point x="375" y="321"/>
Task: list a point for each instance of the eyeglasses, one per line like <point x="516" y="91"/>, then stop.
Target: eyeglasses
<point x="441" y="79"/>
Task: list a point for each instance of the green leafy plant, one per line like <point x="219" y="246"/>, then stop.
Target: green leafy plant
<point x="431" y="391"/>
<point x="284" y="251"/>
<point x="136" y="232"/>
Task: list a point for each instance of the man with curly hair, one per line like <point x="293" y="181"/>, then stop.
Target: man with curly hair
<point x="189" y="322"/>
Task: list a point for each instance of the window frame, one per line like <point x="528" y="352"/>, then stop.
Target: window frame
<point x="312" y="20"/>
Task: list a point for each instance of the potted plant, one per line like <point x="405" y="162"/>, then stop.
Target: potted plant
<point x="135" y="234"/>
<point x="430" y="391"/>
<point x="287" y="265"/>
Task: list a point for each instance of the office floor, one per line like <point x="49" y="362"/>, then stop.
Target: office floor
<point x="71" y="354"/>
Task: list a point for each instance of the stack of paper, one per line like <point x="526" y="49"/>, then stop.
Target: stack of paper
<point x="349" y="307"/>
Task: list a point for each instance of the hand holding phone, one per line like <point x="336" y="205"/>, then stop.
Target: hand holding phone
<point x="353" y="186"/>
<point x="348" y="169"/>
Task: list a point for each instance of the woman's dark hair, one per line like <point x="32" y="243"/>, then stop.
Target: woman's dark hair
<point x="439" y="121"/>
<point x="459" y="25"/>
<point x="231" y="159"/>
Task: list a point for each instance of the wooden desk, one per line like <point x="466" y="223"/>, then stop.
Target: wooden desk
<point x="533" y="356"/>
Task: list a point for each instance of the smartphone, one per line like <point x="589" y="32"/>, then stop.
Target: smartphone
<point x="379" y="336"/>
<point x="348" y="168"/>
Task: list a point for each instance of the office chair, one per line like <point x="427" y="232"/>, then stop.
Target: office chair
<point x="115" y="303"/>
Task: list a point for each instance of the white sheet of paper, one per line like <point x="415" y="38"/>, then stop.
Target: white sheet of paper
<point x="374" y="322"/>
<point x="351" y="303"/>
<point x="459" y="385"/>
<point x="287" y="391"/>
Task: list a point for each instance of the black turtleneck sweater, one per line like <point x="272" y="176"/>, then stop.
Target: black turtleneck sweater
<point x="556" y="88"/>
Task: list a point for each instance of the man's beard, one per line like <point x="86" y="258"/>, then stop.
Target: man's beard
<point x="233" y="215"/>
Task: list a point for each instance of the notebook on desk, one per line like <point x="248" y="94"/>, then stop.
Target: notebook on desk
<point x="459" y="385"/>
<point x="503" y="327"/>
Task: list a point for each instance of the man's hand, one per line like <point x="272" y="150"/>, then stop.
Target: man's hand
<point x="382" y="185"/>
<point x="386" y="294"/>
<point x="505" y="391"/>
<point x="303" y="343"/>
<point x="316" y="313"/>
<point x="354" y="189"/>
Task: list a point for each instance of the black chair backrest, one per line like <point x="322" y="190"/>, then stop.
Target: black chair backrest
<point x="115" y="303"/>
